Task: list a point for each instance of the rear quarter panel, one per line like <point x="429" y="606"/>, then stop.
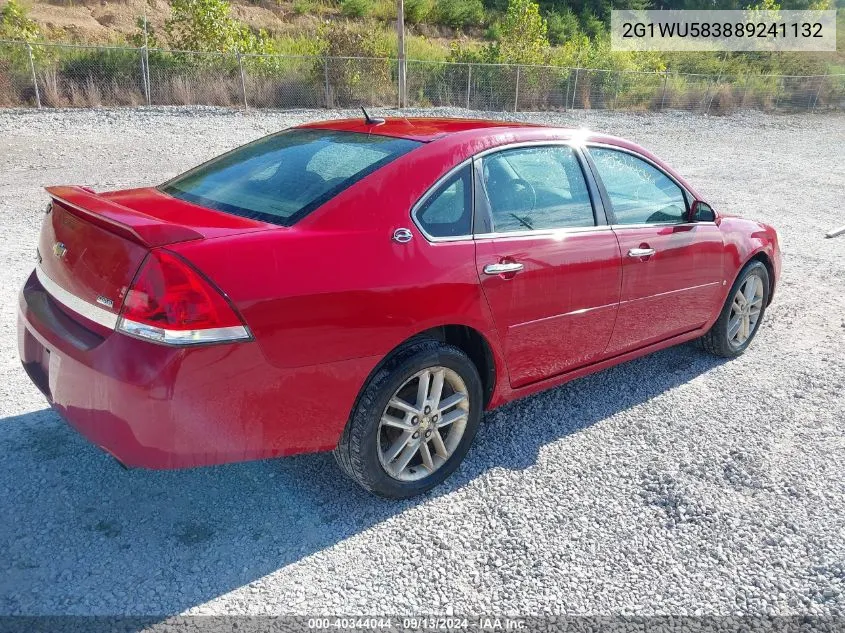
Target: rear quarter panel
<point x="336" y="286"/>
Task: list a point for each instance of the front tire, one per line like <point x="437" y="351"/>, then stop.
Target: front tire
<point x="414" y="421"/>
<point x="742" y="313"/>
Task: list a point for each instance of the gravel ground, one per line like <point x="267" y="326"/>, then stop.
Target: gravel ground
<point x="675" y="484"/>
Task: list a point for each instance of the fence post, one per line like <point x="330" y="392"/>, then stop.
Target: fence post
<point x="34" y="79"/>
<point x="243" y="80"/>
<point x="574" y="88"/>
<point x="616" y="91"/>
<point x="710" y="85"/>
<point x="780" y="89"/>
<point x="145" y="73"/>
<point x="819" y="91"/>
<point x="516" y="91"/>
<point x="469" y="82"/>
<point x="326" y="79"/>
<point x="663" y="98"/>
<point x="744" y="92"/>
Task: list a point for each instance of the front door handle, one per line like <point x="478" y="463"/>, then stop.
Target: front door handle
<point x="501" y="269"/>
<point x="640" y="252"/>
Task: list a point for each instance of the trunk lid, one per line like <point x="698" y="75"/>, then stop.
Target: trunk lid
<point x="92" y="245"/>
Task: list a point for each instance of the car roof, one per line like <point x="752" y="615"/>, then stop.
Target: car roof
<point x="423" y="129"/>
<point x="469" y="136"/>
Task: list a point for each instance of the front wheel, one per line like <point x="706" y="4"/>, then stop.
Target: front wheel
<point x="742" y="313"/>
<point x="414" y="421"/>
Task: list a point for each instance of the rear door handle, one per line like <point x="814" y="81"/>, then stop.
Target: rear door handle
<point x="640" y="252"/>
<point x="500" y="269"/>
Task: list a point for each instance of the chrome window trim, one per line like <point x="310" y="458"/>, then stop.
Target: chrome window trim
<point x="575" y="145"/>
<point x="652" y="225"/>
<point x="519" y="144"/>
<point x="544" y="232"/>
<point x="429" y="193"/>
<point x="90" y="311"/>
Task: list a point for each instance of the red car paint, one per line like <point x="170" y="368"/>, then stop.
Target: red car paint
<point x="329" y="298"/>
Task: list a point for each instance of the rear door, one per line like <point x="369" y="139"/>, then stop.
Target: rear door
<point x="671" y="270"/>
<point x="548" y="263"/>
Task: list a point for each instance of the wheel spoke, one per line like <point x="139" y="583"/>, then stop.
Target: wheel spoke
<point x="451" y="401"/>
<point x="451" y="417"/>
<point x="405" y="457"/>
<point x="425" y="453"/>
<point x="437" y="388"/>
<point x="422" y="388"/>
<point x="398" y="403"/>
<point x="439" y="446"/>
<point x="740" y="299"/>
<point x="746" y="327"/>
<point x="750" y="289"/>
<point x="396" y="423"/>
<point x="733" y="327"/>
<point x="397" y="446"/>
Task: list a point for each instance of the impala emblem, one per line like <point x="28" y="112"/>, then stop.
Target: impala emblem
<point x="59" y="250"/>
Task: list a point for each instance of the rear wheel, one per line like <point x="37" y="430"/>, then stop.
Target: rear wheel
<point x="414" y="421"/>
<point x="742" y="313"/>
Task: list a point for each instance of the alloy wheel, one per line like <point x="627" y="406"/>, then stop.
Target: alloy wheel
<point x="745" y="311"/>
<point x="423" y="423"/>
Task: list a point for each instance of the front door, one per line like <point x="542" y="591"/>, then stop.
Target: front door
<point x="550" y="271"/>
<point x="671" y="268"/>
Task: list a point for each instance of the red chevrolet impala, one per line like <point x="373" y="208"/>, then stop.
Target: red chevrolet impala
<point x="371" y="287"/>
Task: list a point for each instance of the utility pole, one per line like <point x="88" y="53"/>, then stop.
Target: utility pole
<point x="400" y="31"/>
<point x="145" y="62"/>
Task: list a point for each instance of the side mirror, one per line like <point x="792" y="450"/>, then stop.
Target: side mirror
<point x="701" y="212"/>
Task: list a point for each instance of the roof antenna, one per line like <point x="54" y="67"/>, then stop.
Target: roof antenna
<point x="371" y="120"/>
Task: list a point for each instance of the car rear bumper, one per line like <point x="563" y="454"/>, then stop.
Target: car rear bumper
<point x="159" y="406"/>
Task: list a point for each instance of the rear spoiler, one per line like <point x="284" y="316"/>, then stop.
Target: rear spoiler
<point x="133" y="225"/>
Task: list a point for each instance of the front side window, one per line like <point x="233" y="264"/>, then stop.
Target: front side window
<point x="639" y="192"/>
<point x="283" y="177"/>
<point x="535" y="188"/>
<point x="447" y="212"/>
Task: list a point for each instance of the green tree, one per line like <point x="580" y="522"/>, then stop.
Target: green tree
<point x="15" y="25"/>
<point x="524" y="34"/>
<point x="144" y="35"/>
<point x="207" y="26"/>
<point x="562" y="25"/>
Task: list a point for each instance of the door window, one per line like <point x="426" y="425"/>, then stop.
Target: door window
<point x="534" y="188"/>
<point x="639" y="192"/>
<point x="447" y="212"/>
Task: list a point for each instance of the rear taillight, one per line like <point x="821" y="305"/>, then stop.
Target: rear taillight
<point x="170" y="302"/>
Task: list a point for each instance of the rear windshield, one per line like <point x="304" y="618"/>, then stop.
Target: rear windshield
<point x="283" y="177"/>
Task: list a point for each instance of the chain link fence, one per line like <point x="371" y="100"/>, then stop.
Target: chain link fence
<point x="61" y="75"/>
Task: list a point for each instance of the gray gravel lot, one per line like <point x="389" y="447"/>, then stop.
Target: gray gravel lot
<point x="677" y="483"/>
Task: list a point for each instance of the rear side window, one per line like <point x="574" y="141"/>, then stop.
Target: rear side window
<point x="447" y="212"/>
<point x="283" y="177"/>
<point x="639" y="192"/>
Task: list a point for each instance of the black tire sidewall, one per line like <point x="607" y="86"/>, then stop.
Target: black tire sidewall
<point x="364" y="424"/>
<point x="754" y="268"/>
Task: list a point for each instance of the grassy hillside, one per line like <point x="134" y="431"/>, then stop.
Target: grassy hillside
<point x="437" y="30"/>
<point x="292" y="24"/>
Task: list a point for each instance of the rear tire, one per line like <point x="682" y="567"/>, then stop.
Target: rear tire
<point x="405" y="450"/>
<point x="741" y="315"/>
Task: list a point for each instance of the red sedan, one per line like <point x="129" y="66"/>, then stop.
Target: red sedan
<point x="371" y="287"/>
